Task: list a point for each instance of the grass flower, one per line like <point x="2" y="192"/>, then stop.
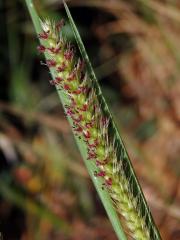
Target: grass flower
<point x="92" y="125"/>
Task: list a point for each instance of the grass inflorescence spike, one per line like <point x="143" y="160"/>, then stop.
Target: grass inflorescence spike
<point x="92" y="125"/>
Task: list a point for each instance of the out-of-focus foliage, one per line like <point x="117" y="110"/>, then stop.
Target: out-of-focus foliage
<point x="45" y="190"/>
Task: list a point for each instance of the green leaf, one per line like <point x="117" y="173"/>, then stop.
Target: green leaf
<point x="104" y="196"/>
<point x="123" y="155"/>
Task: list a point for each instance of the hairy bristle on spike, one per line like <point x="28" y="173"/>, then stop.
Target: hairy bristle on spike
<point x="91" y="124"/>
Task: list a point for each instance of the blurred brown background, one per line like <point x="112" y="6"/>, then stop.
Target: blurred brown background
<point x="45" y="191"/>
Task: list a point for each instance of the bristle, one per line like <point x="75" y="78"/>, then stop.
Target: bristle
<point x="91" y="124"/>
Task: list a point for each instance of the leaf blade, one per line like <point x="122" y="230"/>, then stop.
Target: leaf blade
<point x="104" y="196"/>
<point x="137" y="191"/>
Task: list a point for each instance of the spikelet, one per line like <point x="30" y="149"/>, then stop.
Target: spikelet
<point x="92" y="125"/>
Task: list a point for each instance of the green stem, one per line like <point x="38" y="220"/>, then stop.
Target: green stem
<point x="89" y="116"/>
<point x="104" y="196"/>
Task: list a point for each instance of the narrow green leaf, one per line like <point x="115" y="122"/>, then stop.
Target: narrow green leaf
<point x="104" y="196"/>
<point x="123" y="155"/>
